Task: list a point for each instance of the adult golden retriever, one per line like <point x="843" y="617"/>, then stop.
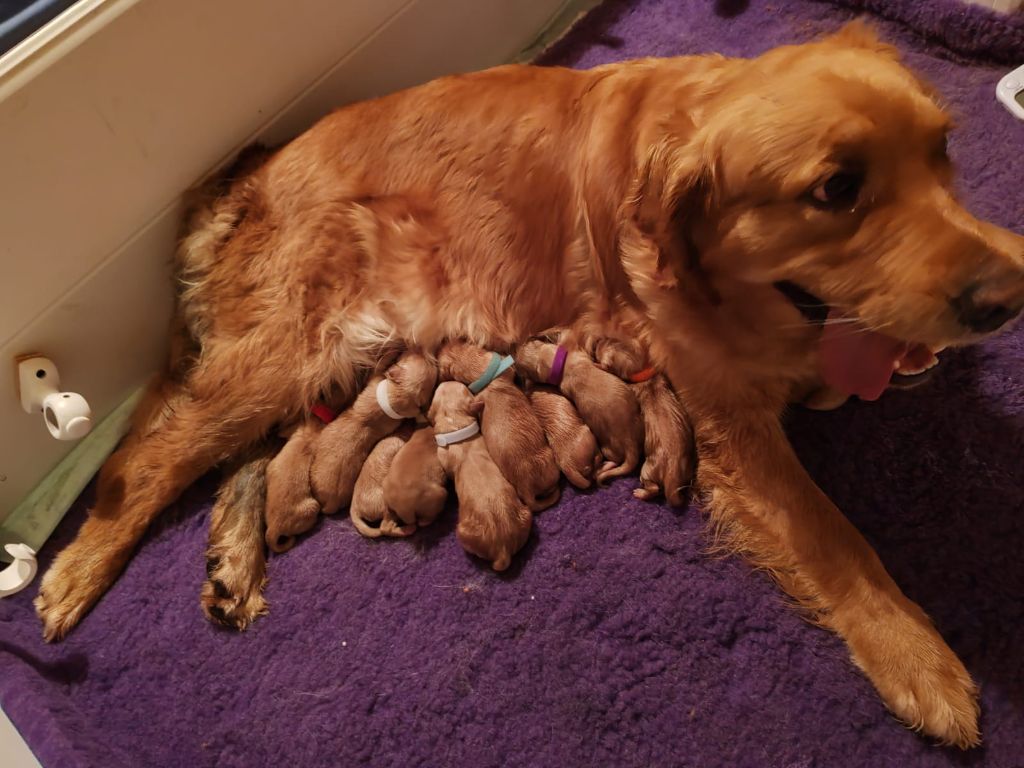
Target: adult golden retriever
<point x="702" y="204"/>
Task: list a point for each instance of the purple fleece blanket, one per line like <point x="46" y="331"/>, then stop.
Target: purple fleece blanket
<point x="614" y="641"/>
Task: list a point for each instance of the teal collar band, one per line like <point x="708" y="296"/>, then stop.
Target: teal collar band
<point x="497" y="366"/>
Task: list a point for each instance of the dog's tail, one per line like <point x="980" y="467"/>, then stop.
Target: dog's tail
<point x="213" y="211"/>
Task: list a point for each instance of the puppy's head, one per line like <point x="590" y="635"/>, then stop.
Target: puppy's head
<point x="825" y="166"/>
<point x="453" y="407"/>
<point x="413" y="379"/>
<point x="534" y="359"/>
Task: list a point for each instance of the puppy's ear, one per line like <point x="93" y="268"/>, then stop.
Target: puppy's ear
<point x="476" y="407"/>
<point x="860" y="34"/>
<point x="672" y="195"/>
<point x="396" y="373"/>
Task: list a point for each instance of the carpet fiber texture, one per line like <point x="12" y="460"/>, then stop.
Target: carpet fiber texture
<point x="614" y="641"/>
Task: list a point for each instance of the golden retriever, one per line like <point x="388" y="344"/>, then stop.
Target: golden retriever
<point x="712" y="208"/>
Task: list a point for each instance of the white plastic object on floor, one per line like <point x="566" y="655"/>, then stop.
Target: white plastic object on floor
<point x="1010" y="92"/>
<point x="1003" y="6"/>
<point x="67" y="414"/>
<point x="19" y="574"/>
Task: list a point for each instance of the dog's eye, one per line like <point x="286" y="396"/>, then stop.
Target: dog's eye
<point x="839" y="191"/>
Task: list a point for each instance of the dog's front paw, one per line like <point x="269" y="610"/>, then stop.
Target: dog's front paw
<point x="231" y="596"/>
<point x="69" y="589"/>
<point x="921" y="681"/>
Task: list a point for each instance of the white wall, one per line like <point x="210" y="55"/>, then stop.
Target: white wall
<point x="98" y="144"/>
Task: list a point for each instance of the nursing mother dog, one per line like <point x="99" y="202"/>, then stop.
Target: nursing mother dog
<point x="715" y="209"/>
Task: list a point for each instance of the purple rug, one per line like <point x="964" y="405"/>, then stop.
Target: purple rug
<point x="614" y="641"/>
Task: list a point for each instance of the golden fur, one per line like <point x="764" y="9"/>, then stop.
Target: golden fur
<point x="368" y="511"/>
<point x="494" y="523"/>
<point x="657" y="199"/>
<point x="669" y="451"/>
<point x="291" y="508"/>
<point x="232" y="594"/>
<point x="604" y="401"/>
<point x="514" y="436"/>
<point x="415" y="489"/>
<point x="344" y="444"/>
<point x="571" y="440"/>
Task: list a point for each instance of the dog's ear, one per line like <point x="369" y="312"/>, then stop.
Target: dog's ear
<point x="860" y="34"/>
<point x="673" y="193"/>
<point x="476" y="407"/>
<point x="396" y="373"/>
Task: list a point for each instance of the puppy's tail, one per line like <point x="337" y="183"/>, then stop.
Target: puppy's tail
<point x="610" y="470"/>
<point x="363" y="527"/>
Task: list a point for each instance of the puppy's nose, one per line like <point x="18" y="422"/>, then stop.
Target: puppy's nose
<point x="981" y="316"/>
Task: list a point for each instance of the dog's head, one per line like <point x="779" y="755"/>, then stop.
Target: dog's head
<point x="825" y="166"/>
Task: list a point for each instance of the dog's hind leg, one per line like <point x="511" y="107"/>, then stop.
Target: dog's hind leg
<point x="206" y="422"/>
<point x="232" y="595"/>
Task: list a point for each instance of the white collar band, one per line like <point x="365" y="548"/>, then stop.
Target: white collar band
<point x="445" y="439"/>
<point x="385" y="403"/>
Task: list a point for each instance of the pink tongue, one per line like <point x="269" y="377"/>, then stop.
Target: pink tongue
<point x="856" y="361"/>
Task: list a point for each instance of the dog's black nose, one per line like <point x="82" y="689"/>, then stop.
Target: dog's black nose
<point x="979" y="316"/>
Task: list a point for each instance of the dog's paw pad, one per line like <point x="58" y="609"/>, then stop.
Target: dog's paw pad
<point x="231" y="599"/>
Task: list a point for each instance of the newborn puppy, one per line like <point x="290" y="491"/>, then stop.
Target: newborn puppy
<point x="572" y="442"/>
<point x="378" y="411"/>
<point x="669" y="448"/>
<point x="291" y="508"/>
<point x="603" y="400"/>
<point x="369" y="512"/>
<point x="493" y="523"/>
<point x="415" y="490"/>
<point x="512" y="431"/>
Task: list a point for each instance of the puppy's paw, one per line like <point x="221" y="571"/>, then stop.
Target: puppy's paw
<point x="231" y="596"/>
<point x="69" y="589"/>
<point x="669" y="475"/>
<point x="647" y="492"/>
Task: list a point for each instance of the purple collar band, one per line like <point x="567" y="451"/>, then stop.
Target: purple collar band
<point x="558" y="366"/>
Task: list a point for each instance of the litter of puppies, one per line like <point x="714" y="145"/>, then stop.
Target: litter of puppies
<point x="500" y="429"/>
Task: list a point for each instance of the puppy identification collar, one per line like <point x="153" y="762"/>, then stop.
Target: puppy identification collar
<point x="558" y="366"/>
<point x="645" y="375"/>
<point x="385" y="403"/>
<point x="457" y="436"/>
<point x="497" y="366"/>
<point x="324" y="412"/>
